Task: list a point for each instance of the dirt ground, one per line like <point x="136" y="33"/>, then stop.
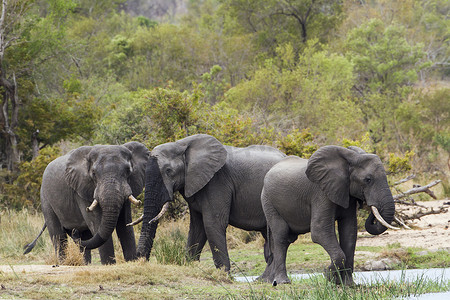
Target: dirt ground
<point x="430" y="232"/>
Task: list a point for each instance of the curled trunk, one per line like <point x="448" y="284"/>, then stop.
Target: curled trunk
<point x="105" y="230"/>
<point x="373" y="226"/>
<point x="156" y="195"/>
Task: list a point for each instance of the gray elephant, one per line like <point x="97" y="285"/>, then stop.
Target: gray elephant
<point x="301" y="196"/>
<point x="85" y="193"/>
<point x="221" y="184"/>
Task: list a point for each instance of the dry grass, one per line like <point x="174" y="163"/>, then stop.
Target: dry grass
<point x="74" y="257"/>
<point x="150" y="279"/>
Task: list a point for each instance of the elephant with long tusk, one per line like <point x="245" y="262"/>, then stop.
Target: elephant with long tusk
<point x="87" y="194"/>
<point x="301" y="196"/>
<point x="221" y="184"/>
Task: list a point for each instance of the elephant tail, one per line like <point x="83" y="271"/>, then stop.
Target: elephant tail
<point x="31" y="245"/>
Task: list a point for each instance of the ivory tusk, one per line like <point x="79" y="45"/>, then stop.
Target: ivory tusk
<point x="93" y="205"/>
<point x="401" y="222"/>
<point x="161" y="213"/>
<point x="134" y="200"/>
<point x="141" y="218"/>
<point x="381" y="220"/>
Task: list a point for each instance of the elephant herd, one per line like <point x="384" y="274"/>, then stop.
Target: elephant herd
<point x="88" y="193"/>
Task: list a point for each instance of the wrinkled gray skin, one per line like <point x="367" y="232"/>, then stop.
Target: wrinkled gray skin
<point x="221" y="184"/>
<point x="301" y="196"/>
<point x="71" y="182"/>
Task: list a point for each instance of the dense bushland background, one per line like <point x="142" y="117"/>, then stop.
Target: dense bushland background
<point x="295" y="74"/>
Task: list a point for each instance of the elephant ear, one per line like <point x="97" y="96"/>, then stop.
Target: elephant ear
<point x="204" y="155"/>
<point x="77" y="172"/>
<point x="139" y="158"/>
<point x="329" y="168"/>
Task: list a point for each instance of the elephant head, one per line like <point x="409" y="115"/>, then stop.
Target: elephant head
<point x="186" y="165"/>
<point x="106" y="176"/>
<point x="342" y="172"/>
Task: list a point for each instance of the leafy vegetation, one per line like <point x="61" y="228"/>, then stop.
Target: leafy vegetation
<point x="291" y="74"/>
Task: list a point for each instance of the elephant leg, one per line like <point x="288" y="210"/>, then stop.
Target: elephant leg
<point x="197" y="235"/>
<point x="347" y="228"/>
<point x="281" y="241"/>
<point x="106" y="251"/>
<point x="216" y="235"/>
<point x="126" y="233"/>
<point x="85" y="235"/>
<point x="266" y="245"/>
<point x="57" y="232"/>
<point x="323" y="233"/>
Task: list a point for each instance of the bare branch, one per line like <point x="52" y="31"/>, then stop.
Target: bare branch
<point x="412" y="176"/>
<point x="422" y="213"/>
<point x="419" y="189"/>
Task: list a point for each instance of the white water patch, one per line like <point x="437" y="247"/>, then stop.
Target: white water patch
<point x="372" y="277"/>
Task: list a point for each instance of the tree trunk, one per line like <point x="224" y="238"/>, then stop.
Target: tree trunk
<point x="35" y="143"/>
<point x="9" y="119"/>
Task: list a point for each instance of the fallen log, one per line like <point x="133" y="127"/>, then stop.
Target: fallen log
<point x="419" y="189"/>
<point x="410" y="201"/>
<point x="422" y="213"/>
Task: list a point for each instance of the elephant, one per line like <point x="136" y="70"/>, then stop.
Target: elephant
<point x="301" y="196"/>
<point x="221" y="184"/>
<point x="84" y="195"/>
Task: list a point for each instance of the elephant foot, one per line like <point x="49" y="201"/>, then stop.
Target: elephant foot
<point x="281" y="280"/>
<point x="342" y="276"/>
<point x="264" y="278"/>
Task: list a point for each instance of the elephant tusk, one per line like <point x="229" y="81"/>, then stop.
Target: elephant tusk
<point x="161" y="213"/>
<point x="141" y="218"/>
<point x="93" y="205"/>
<point x="381" y="220"/>
<point x="401" y="222"/>
<point x="134" y="200"/>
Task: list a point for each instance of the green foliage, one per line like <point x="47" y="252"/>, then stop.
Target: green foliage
<point x="146" y="22"/>
<point x="59" y="119"/>
<point x="170" y="248"/>
<point x="247" y="72"/>
<point x="313" y="91"/>
<point x="276" y="22"/>
<point x="299" y="143"/>
<point x="162" y="115"/>
<point x="25" y="190"/>
<point x="365" y="143"/>
<point x="383" y="58"/>
<point x="214" y="85"/>
<point x="400" y="164"/>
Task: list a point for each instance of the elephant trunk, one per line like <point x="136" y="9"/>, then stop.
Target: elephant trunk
<point x="387" y="211"/>
<point x="105" y="230"/>
<point x="156" y="195"/>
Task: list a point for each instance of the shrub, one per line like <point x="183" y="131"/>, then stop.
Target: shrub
<point x="170" y="247"/>
<point x="25" y="189"/>
<point x="300" y="143"/>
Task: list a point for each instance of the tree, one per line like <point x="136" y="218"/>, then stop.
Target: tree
<point x="21" y="48"/>
<point x="12" y="14"/>
<point x="277" y="22"/>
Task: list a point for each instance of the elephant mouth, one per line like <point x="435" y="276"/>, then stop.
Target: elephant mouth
<point x="380" y="219"/>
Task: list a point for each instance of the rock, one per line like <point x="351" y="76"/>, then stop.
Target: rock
<point x="379" y="265"/>
<point x="422" y="253"/>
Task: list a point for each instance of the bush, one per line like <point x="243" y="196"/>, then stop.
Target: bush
<point x="170" y="247"/>
<point x="25" y="189"/>
<point x="300" y="143"/>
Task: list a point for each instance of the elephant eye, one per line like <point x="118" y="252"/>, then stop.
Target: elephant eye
<point x="169" y="171"/>
<point x="367" y="180"/>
